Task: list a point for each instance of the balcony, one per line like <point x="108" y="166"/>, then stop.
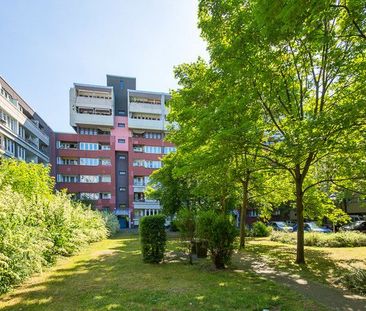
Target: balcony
<point x="158" y="125"/>
<point x="153" y="204"/>
<point x="122" y="212"/>
<point x="145" y="108"/>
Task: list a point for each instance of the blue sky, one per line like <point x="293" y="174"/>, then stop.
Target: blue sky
<point x="47" y="45"/>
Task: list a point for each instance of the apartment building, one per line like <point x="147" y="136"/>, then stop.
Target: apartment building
<point x="23" y="133"/>
<point x="118" y="142"/>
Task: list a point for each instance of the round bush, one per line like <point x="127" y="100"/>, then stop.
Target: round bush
<point x="220" y="233"/>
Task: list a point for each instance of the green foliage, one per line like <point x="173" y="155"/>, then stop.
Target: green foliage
<point x="36" y="226"/>
<point x="339" y="239"/>
<point x="220" y="233"/>
<point x="259" y="229"/>
<point x="111" y="222"/>
<point x="153" y="238"/>
<point x="186" y="223"/>
<point x="356" y="281"/>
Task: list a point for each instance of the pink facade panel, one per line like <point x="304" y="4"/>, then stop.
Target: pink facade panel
<point x="121" y="133"/>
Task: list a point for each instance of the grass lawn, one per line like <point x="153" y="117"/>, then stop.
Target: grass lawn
<point x="325" y="265"/>
<point x="110" y="275"/>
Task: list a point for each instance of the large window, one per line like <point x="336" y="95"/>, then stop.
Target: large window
<point x="152" y="149"/>
<point x="153" y="164"/>
<point x="106" y="178"/>
<point x="89" y="179"/>
<point x="88" y="146"/>
<point x="89" y="196"/>
<point x="89" y="161"/>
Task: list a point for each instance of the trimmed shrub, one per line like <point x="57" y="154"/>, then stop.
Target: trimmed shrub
<point x="339" y="239"/>
<point x="260" y="230"/>
<point x="111" y="222"/>
<point x="153" y="238"/>
<point x="355" y="280"/>
<point x="220" y="233"/>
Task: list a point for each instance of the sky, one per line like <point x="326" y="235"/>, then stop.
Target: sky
<point x="47" y="45"/>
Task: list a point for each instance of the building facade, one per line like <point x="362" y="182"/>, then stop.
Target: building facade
<point x="118" y="142"/>
<point x="23" y="133"/>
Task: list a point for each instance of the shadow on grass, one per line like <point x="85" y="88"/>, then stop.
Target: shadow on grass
<point x="319" y="265"/>
<point x="111" y="276"/>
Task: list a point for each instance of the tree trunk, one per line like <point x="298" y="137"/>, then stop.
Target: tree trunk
<point x="243" y="214"/>
<point x="300" y="256"/>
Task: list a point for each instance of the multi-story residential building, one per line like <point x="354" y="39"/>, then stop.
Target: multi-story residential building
<point x="23" y="133"/>
<point x="119" y="142"/>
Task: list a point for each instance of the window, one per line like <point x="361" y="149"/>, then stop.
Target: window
<point x="137" y="148"/>
<point x="88" y="131"/>
<point x="152" y="149"/>
<point x="121" y="84"/>
<point x="106" y="195"/>
<point x="122" y="189"/>
<point x="121" y="140"/>
<point x="9" y="145"/>
<point x="138" y="163"/>
<point x="89" y="196"/>
<point x="21" y="131"/>
<point x="169" y="150"/>
<point x="67" y="178"/>
<point x="121" y="157"/>
<point x="106" y="178"/>
<point x="89" y="179"/>
<point x="105" y="161"/>
<point x="121" y="125"/>
<point x="138" y="181"/>
<point x="105" y="147"/>
<point x="88" y="146"/>
<point x="122" y="172"/>
<point x="153" y="164"/>
<point x="20" y="153"/>
<point x="152" y="135"/>
<point x="139" y="197"/>
<point x="122" y="206"/>
<point x="121" y="112"/>
<point x="89" y="161"/>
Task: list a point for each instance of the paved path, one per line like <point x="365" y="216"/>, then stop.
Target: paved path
<point x="334" y="299"/>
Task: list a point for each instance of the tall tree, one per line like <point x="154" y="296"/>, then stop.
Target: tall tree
<point x="307" y="82"/>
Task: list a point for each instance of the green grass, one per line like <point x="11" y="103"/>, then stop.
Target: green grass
<point x="110" y="275"/>
<point x="323" y="264"/>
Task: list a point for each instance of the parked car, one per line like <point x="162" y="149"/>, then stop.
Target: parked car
<point x="355" y="226"/>
<point x="356" y="218"/>
<point x="280" y="226"/>
<point x="313" y="227"/>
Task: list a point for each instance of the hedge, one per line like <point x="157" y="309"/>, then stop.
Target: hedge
<point x="153" y="238"/>
<point x="339" y="239"/>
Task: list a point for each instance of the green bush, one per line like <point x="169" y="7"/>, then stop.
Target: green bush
<point x="356" y="281"/>
<point x="220" y="233"/>
<point x="339" y="239"/>
<point x="153" y="238"/>
<point x="186" y="224"/>
<point x="36" y="225"/>
<point x="111" y="222"/>
<point x="259" y="229"/>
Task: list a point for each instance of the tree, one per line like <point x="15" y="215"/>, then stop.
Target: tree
<point x="307" y="82"/>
